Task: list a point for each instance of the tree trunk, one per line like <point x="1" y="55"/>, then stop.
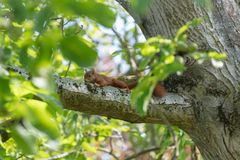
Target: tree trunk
<point x="214" y="94"/>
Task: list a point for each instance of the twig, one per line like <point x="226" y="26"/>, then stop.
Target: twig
<point x="131" y="62"/>
<point x="69" y="65"/>
<point x="62" y="26"/>
<point x="9" y="122"/>
<point x="142" y="152"/>
<point x="111" y="146"/>
<point x="62" y="29"/>
<point x="20" y="71"/>
<point x="21" y="157"/>
<point x="56" y="18"/>
<point x="110" y="153"/>
<point x="59" y="156"/>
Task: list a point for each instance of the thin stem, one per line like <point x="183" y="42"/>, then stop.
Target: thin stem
<point x="110" y="153"/>
<point x="132" y="63"/>
<point x="62" y="25"/>
<point x="134" y="156"/>
<point x="60" y="156"/>
<point x="69" y="65"/>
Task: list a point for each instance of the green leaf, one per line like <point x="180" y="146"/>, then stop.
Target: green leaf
<point x="2" y="153"/>
<point x="54" y="104"/>
<point x="99" y="12"/>
<point x="14" y="32"/>
<point x="24" y="58"/>
<point x="142" y="94"/>
<point x="145" y="62"/>
<point x="149" y="50"/>
<point x="217" y="56"/>
<point x="6" y="55"/>
<point x="162" y="71"/>
<point x="77" y="156"/>
<point x="36" y="112"/>
<point x="140" y="6"/>
<point x="77" y="50"/>
<point x="86" y="146"/>
<point x="4" y="87"/>
<point x="73" y="29"/>
<point x="18" y="9"/>
<point x="116" y="53"/>
<point x="180" y="33"/>
<point x="25" y="141"/>
<point x="174" y="67"/>
<point x="42" y="18"/>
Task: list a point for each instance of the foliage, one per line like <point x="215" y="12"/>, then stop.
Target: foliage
<point x="37" y="35"/>
<point x="163" y="57"/>
<point x="42" y="37"/>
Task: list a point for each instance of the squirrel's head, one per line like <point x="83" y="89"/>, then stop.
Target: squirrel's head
<point x="90" y="76"/>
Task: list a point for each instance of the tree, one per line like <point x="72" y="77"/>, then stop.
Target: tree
<point x="203" y="101"/>
<point x="207" y="102"/>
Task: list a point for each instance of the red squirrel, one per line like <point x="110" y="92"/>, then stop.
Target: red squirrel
<point x="101" y="80"/>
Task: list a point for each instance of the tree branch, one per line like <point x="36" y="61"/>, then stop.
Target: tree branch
<point x="173" y="109"/>
<point x="115" y="103"/>
<point x="142" y="153"/>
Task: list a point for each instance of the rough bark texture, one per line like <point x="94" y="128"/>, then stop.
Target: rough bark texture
<point x="204" y="101"/>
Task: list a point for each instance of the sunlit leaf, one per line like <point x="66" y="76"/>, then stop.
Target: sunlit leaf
<point x="99" y="12"/>
<point x="195" y="22"/>
<point x="88" y="147"/>
<point x="54" y="104"/>
<point x="217" y="56"/>
<point x="169" y="59"/>
<point x="37" y="114"/>
<point x="149" y="50"/>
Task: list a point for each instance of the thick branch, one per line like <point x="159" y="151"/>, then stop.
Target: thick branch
<point x="115" y="103"/>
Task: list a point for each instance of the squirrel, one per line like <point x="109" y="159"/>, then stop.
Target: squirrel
<point x="101" y="80"/>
